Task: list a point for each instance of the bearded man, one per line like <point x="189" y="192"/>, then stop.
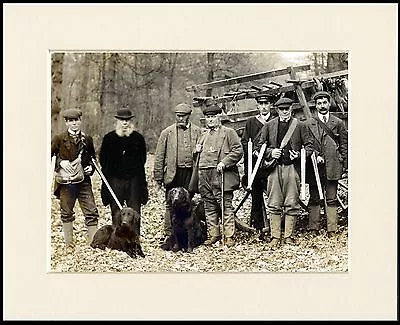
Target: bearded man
<point x="122" y="160"/>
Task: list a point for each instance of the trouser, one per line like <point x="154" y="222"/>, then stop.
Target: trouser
<point x="257" y="203"/>
<point x="82" y="192"/>
<point x="211" y="195"/>
<point x="283" y="190"/>
<point x="181" y="179"/>
<point x="127" y="191"/>
<point x="330" y="189"/>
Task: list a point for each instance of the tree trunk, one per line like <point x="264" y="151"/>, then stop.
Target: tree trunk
<point x="57" y="60"/>
<point x="210" y="71"/>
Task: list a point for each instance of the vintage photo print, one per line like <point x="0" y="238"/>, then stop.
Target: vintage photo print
<point x="138" y="117"/>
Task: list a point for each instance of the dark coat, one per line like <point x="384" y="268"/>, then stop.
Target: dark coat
<point x="335" y="156"/>
<point x="252" y="130"/>
<point x="64" y="148"/>
<point x="300" y="137"/>
<point x="123" y="158"/>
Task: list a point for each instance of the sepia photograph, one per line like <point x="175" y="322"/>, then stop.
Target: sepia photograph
<point x="200" y="162"/>
<point x="129" y="182"/>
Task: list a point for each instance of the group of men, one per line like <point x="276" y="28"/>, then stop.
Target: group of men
<point x="210" y="156"/>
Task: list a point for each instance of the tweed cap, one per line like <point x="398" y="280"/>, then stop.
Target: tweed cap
<point x="183" y="109"/>
<point x="284" y="102"/>
<point x="321" y="94"/>
<point x="124" y="114"/>
<point x="72" y="113"/>
<point x="213" y="109"/>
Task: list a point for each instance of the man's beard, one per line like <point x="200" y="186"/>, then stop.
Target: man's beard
<point x="124" y="133"/>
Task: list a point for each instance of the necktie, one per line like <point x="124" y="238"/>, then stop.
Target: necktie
<point x="325" y="119"/>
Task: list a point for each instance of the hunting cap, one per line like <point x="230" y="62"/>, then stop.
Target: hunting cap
<point x="183" y="109"/>
<point x="211" y="108"/>
<point x="284" y="102"/>
<point x="124" y="114"/>
<point x="72" y="113"/>
<point x="321" y="94"/>
<point x="264" y="99"/>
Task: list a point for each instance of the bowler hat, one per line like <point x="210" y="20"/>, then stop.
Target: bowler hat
<point x="124" y="114"/>
<point x="72" y="113"/>
<point x="321" y="94"/>
<point x="183" y="109"/>
<point x="284" y="102"/>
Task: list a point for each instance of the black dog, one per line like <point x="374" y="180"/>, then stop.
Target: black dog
<point x="188" y="231"/>
<point x="123" y="237"/>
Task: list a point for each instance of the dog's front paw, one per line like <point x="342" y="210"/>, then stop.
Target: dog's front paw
<point x="190" y="250"/>
<point x="175" y="248"/>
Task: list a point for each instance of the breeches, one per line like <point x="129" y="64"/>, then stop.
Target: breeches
<point x="212" y="204"/>
<point x="283" y="190"/>
<point x="82" y="192"/>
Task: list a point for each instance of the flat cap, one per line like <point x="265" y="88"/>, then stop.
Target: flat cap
<point x="284" y="102"/>
<point x="183" y="109"/>
<point x="124" y="114"/>
<point x="321" y="94"/>
<point x="212" y="110"/>
<point x="72" y="113"/>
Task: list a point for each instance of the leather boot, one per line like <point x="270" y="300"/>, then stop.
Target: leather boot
<point x="331" y="218"/>
<point x="313" y="217"/>
<point x="68" y="233"/>
<point x="91" y="230"/>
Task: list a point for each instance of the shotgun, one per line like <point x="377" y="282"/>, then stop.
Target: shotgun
<point x="222" y="207"/>
<point x="105" y="182"/>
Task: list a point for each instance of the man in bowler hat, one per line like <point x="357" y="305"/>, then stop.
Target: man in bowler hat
<point x="122" y="158"/>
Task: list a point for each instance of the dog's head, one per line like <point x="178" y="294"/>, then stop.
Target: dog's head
<point x="128" y="220"/>
<point x="178" y="196"/>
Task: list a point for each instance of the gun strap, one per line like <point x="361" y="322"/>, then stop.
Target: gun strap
<point x="327" y="130"/>
<point x="289" y="132"/>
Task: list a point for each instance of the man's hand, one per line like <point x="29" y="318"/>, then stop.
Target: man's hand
<point x="88" y="170"/>
<point x="66" y="165"/>
<point x="320" y="160"/>
<point x="293" y="154"/>
<point x="276" y="153"/>
<point x="220" y="167"/>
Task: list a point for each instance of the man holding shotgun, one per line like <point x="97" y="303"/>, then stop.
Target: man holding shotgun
<point x="283" y="138"/>
<point x="219" y="151"/>
<point x="250" y="137"/>
<point x="329" y="136"/>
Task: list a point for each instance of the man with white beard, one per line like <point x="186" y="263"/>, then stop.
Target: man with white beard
<point x="122" y="159"/>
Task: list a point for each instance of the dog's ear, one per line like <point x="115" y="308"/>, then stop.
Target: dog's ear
<point x="118" y="217"/>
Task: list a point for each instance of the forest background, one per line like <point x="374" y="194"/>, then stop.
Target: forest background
<point x="152" y="83"/>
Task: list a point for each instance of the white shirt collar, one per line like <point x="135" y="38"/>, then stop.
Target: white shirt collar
<point x="263" y="120"/>
<point x="321" y="117"/>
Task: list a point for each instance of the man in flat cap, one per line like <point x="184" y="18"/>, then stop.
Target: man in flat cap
<point x="218" y="151"/>
<point x="73" y="150"/>
<point x="173" y="163"/>
<point x="284" y="137"/>
<point x="123" y="157"/>
<point x="329" y="135"/>
<point x="252" y="132"/>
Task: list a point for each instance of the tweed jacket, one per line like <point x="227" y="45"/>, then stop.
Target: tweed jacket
<point x="300" y="137"/>
<point x="165" y="161"/>
<point x="64" y="148"/>
<point x="231" y="151"/>
<point x="335" y="156"/>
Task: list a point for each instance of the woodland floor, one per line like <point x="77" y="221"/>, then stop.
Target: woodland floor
<point x="249" y="254"/>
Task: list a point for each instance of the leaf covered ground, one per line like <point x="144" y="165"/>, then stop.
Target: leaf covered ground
<point x="310" y="254"/>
